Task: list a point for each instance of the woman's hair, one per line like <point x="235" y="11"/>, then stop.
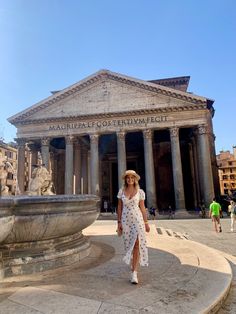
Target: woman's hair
<point x="136" y="184"/>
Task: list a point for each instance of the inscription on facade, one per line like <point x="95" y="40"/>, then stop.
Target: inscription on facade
<point x="108" y="123"/>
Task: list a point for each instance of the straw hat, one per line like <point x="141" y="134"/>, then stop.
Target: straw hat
<point x="131" y="173"/>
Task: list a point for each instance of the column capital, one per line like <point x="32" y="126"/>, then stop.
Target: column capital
<point x="69" y="139"/>
<point x="202" y="129"/>
<point x="174" y="132"/>
<point x="94" y="138"/>
<point x="33" y="147"/>
<point x="121" y="135"/>
<point x="45" y="141"/>
<point x="147" y="134"/>
<point x="20" y="141"/>
<point x="77" y="141"/>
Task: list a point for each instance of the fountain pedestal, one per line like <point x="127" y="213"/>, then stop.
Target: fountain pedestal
<point x="44" y="232"/>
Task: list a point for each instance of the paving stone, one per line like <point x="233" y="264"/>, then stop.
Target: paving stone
<point x="181" y="277"/>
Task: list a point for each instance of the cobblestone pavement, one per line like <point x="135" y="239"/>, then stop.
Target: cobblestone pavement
<point x="201" y="230"/>
<point x="99" y="284"/>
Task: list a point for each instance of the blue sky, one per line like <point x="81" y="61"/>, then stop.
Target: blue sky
<point x="48" y="45"/>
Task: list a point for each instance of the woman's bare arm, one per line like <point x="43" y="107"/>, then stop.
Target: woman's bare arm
<point x="119" y="209"/>
<point x="119" y="213"/>
<point x="144" y="213"/>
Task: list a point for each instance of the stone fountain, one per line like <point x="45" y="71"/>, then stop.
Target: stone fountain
<point x="42" y="231"/>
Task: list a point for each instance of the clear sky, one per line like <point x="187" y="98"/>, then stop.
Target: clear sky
<point x="47" y="45"/>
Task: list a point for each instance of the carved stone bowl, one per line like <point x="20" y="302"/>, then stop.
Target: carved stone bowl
<point x="6" y="217"/>
<point x="44" y="232"/>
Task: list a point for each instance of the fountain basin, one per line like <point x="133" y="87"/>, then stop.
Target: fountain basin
<point x="44" y="232"/>
<point x="6" y="218"/>
<point x="6" y="225"/>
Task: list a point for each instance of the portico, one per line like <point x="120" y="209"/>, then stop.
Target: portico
<point x="91" y="132"/>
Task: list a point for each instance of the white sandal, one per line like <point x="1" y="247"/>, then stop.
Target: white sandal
<point x="134" y="278"/>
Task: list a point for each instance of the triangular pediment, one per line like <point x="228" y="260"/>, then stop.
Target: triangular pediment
<point x="105" y="92"/>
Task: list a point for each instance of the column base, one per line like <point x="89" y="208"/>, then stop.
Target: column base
<point x="179" y="214"/>
<point x="183" y="214"/>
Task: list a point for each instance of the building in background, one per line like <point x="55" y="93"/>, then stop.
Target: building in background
<point x="8" y="153"/>
<point x="226" y="162"/>
<point x="89" y="133"/>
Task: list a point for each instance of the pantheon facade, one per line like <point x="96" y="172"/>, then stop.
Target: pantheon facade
<point x="89" y="133"/>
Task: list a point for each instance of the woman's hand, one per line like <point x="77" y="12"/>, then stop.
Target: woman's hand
<point x="147" y="227"/>
<point x="119" y="228"/>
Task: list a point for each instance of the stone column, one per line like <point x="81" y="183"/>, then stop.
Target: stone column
<point x="84" y="169"/>
<point x="121" y="156"/>
<point x="34" y="156"/>
<point x="89" y="171"/>
<point x="52" y="166"/>
<point x="77" y="167"/>
<point x="69" y="165"/>
<point x="177" y="169"/>
<point x="45" y="141"/>
<point x="20" y="186"/>
<point x="205" y="165"/>
<point x="215" y="171"/>
<point x="94" y="164"/>
<point x="193" y="176"/>
<point x="196" y="167"/>
<point x="149" y="169"/>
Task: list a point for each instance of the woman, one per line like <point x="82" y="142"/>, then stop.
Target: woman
<point x="132" y="222"/>
<point x="232" y="211"/>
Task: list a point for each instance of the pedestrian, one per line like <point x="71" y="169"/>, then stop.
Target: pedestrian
<point x="214" y="213"/>
<point x="152" y="212"/>
<point x="132" y="222"/>
<point x="232" y="211"/>
<point x="203" y="210"/>
<point x="171" y="212"/>
<point x="105" y="205"/>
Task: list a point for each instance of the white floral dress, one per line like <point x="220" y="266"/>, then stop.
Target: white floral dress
<point x="133" y="226"/>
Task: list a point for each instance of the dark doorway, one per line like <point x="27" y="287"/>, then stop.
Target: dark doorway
<point x="135" y="155"/>
<point x="132" y="165"/>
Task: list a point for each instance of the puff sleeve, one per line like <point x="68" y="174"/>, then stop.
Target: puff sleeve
<point x="141" y="195"/>
<point x="119" y="195"/>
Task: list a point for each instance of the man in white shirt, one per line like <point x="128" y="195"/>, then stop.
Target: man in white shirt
<point x="231" y="210"/>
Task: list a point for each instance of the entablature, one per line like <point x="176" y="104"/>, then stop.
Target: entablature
<point x="162" y="110"/>
<point x="106" y="124"/>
